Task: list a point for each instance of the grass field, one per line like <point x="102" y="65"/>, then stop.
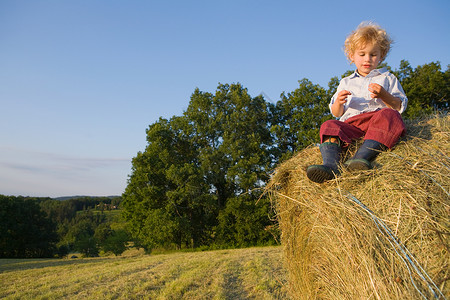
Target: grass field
<point x="253" y="273"/>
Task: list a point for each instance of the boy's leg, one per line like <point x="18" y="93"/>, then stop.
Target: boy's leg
<point x="383" y="130"/>
<point x="386" y="126"/>
<point x="333" y="135"/>
<point x="331" y="155"/>
<point x="366" y="154"/>
<point x="331" y="139"/>
<point x="347" y="133"/>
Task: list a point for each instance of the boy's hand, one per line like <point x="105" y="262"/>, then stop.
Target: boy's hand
<point x="337" y="109"/>
<point x="376" y="91"/>
<point x="342" y="96"/>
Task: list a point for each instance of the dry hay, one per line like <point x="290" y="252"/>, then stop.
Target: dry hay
<point x="335" y="248"/>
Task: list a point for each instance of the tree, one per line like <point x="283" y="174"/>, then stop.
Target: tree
<point x="192" y="165"/>
<point x="166" y="190"/>
<point x="110" y="240"/>
<point x="246" y="158"/>
<point x="25" y="230"/>
<point x="116" y="242"/>
<point x="427" y="88"/>
<point x="243" y="222"/>
<point x="299" y="114"/>
<point x="82" y="236"/>
<point x="102" y="232"/>
<point x="59" y="211"/>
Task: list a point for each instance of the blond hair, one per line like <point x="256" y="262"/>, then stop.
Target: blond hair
<point x="367" y="33"/>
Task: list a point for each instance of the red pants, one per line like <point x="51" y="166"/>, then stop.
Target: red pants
<point x="384" y="126"/>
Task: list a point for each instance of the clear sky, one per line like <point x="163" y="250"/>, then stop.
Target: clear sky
<point x="81" y="80"/>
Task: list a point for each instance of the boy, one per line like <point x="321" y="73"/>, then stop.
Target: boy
<point x="368" y="104"/>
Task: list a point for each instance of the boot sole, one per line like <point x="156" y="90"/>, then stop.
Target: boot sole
<point x="358" y="164"/>
<point x="319" y="173"/>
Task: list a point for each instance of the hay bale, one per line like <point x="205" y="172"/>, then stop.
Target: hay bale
<point x="337" y="248"/>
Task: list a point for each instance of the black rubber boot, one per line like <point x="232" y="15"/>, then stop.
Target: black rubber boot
<point x="366" y="154"/>
<point x="331" y="155"/>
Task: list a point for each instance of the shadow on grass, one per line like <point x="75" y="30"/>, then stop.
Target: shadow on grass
<point x="232" y="286"/>
<point x="8" y="265"/>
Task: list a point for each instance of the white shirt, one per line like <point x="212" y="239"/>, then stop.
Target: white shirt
<point x="359" y="101"/>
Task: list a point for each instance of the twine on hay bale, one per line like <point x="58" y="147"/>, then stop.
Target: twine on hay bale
<point x="377" y="234"/>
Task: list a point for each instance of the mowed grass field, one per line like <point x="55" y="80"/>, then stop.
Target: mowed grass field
<point x="252" y="273"/>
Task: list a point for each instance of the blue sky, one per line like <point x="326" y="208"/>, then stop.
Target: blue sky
<point x="80" y="81"/>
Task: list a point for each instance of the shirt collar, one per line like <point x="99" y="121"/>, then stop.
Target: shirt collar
<point x="372" y="73"/>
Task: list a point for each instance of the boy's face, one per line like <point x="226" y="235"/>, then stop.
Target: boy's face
<point x="367" y="58"/>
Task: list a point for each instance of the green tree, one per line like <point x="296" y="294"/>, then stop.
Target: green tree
<point x="59" y="211"/>
<point x="102" y="232"/>
<point x="82" y="236"/>
<point x="110" y="240"/>
<point x="165" y="200"/>
<point x="299" y="115"/>
<point x="219" y="149"/>
<point x="116" y="242"/>
<point x="243" y="222"/>
<point x="427" y="88"/>
<point x="231" y="133"/>
<point x="25" y="230"/>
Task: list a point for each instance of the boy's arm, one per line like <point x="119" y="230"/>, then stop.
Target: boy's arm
<point x="337" y="108"/>
<point x="377" y="91"/>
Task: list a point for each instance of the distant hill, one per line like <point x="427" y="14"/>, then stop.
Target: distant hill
<point x="76" y="197"/>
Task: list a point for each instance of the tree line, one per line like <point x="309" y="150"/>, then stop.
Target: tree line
<point x="200" y="180"/>
<point x="45" y="227"/>
<point x="199" y="183"/>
